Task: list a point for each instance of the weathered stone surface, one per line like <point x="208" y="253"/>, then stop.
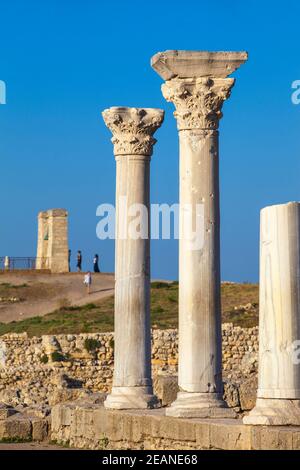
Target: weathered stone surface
<point x="52" y="247"/>
<point x="247" y="393"/>
<point x="166" y="388"/>
<point x="25" y="379"/>
<point x="39" y="429"/>
<point x="98" y="428"/>
<point x="198" y="103"/>
<point x="62" y="395"/>
<point x="231" y="394"/>
<point x="50" y="345"/>
<point x="6" y="411"/>
<point x="274" y="412"/>
<point x="199" y="405"/>
<point x="15" y="427"/>
<point x="278" y="395"/>
<point x="133" y="129"/>
<point x="26" y="423"/>
<point x="279" y="371"/>
<point x="184" y="64"/>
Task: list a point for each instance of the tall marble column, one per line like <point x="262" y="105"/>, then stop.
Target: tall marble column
<point x="132" y="131"/>
<point x="197" y="84"/>
<point x="278" y="395"/>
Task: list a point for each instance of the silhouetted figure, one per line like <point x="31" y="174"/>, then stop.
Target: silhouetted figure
<point x="79" y="261"/>
<point x="69" y="260"/>
<point x="96" y="264"/>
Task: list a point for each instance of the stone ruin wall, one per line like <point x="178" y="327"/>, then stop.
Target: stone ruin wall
<point x="51" y="369"/>
<point x="52" y="246"/>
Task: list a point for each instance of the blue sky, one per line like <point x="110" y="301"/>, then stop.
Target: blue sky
<point x="63" y="62"/>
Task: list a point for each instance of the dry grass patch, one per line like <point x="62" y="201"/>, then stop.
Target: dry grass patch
<point x="99" y="316"/>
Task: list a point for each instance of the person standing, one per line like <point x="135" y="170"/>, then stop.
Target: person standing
<point x="6" y="263"/>
<point x="79" y="261"/>
<point x="88" y="281"/>
<point x="96" y="264"/>
<point x="69" y="260"/>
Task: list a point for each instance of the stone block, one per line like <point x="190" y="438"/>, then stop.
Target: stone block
<point x="112" y="425"/>
<point x="229" y="435"/>
<point x="96" y="427"/>
<point x="39" y="429"/>
<point x="6" y="411"/>
<point x="177" y="429"/>
<point x="247" y="393"/>
<point x="184" y="64"/>
<point x="202" y="432"/>
<point x="16" y="427"/>
<point x="296" y="439"/>
<point x="61" y="415"/>
<point x="231" y="394"/>
<point x="166" y="388"/>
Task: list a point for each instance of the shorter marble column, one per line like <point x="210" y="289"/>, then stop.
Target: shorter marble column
<point x="132" y="131"/>
<point x="278" y="395"/>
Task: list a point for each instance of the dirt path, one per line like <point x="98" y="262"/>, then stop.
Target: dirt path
<point x="31" y="446"/>
<point x="43" y="293"/>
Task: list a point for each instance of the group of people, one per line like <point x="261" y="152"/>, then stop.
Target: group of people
<point x="79" y="262"/>
<point x="87" y="280"/>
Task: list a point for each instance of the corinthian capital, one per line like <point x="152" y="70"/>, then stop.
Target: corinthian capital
<point x="133" y="129"/>
<point x="198" y="101"/>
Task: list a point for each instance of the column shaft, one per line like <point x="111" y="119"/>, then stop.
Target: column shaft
<point x="132" y="271"/>
<point x="132" y="130"/>
<point x="199" y="264"/>
<point x="278" y="395"/>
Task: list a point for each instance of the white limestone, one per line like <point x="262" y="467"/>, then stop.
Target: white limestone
<point x="132" y="130"/>
<point x="52" y="246"/>
<point x="278" y="395"/>
<point x="187" y="64"/>
<point x="197" y="85"/>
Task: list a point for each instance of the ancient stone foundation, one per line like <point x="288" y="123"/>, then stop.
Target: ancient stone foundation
<point x="32" y="424"/>
<point x="52" y="247"/>
<point x="89" y="425"/>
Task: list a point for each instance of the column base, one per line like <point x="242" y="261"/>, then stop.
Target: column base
<point x="274" y="412"/>
<point x="131" y="398"/>
<point x="200" y="405"/>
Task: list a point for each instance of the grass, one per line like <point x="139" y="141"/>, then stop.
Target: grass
<point x="98" y="317"/>
<point x="91" y="344"/>
<point x="65" y="445"/>
<point x="15" y="440"/>
<point x="30" y="291"/>
<point x="8" y="285"/>
<point x="234" y="295"/>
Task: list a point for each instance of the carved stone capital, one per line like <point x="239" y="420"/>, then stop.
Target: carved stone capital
<point x="133" y="129"/>
<point x="198" y="101"/>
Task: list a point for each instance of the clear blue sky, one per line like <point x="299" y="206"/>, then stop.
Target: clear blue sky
<point x="65" y="61"/>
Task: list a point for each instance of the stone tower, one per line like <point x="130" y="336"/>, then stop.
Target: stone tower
<point x="52" y="248"/>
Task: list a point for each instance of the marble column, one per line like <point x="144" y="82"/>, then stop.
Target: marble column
<point x="278" y="395"/>
<point x="133" y="141"/>
<point x="197" y="84"/>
